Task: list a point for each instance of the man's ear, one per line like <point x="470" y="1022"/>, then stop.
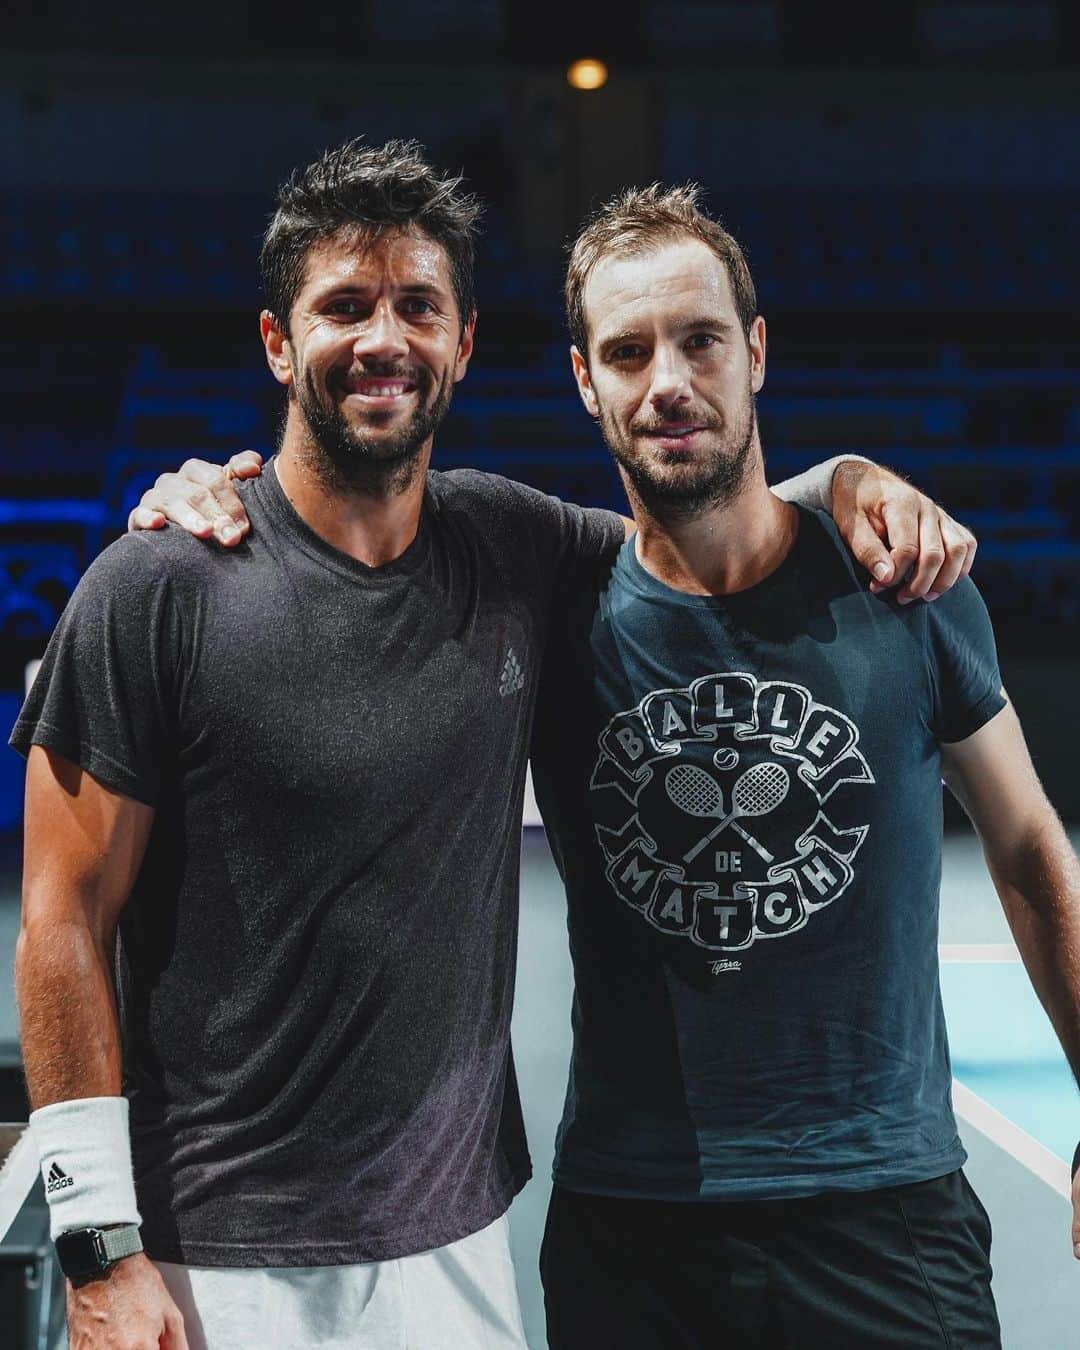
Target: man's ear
<point x="278" y="349"/>
<point x="584" y="383"/>
<point x="465" y="348"/>
<point x="756" y="343"/>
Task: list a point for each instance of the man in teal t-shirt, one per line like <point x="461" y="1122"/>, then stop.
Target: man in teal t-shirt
<point x="738" y="754"/>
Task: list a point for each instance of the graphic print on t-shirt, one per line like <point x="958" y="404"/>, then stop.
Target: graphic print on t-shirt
<point x="713" y="806"/>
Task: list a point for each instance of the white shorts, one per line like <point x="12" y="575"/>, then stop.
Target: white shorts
<point x="458" y="1297"/>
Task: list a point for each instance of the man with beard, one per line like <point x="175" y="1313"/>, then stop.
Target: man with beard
<point x="282" y="786"/>
<point x="738" y="754"/>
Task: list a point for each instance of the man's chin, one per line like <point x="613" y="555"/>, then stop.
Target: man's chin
<point x="675" y="478"/>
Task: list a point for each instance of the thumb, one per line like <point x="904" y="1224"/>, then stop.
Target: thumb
<point x="869" y="549"/>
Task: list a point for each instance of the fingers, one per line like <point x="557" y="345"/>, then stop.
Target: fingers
<point x="207" y="490"/>
<point x="870" y="550"/>
<point x="901" y="519"/>
<point x="930" y="558"/>
<point x="959" y="545"/>
<point x="246" y="464"/>
<point x="175" y="1337"/>
<point x="146" y="518"/>
<point x="230" y="512"/>
<point x="204" y="511"/>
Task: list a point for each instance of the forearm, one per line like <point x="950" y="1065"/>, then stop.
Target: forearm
<point x="1039" y="886"/>
<point x="67" y="1012"/>
<point x="814" y="487"/>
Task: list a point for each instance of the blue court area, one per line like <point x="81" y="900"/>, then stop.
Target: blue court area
<point x="1005" y="1051"/>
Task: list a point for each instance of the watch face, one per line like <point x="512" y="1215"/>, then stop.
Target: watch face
<point x="81" y="1253"/>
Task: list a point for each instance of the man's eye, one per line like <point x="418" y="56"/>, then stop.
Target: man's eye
<point x="416" y="306"/>
<point x="701" y="341"/>
<point x="345" y="307"/>
<point x="627" y="352"/>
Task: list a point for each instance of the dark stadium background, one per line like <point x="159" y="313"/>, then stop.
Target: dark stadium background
<point x="903" y="177"/>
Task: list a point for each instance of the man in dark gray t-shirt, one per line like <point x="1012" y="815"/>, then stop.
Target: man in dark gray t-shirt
<point x="282" y="786"/>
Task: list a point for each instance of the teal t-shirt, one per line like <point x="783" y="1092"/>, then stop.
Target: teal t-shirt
<point x="743" y="795"/>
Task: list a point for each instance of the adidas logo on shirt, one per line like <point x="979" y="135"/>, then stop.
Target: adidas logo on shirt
<point x="513" y="677"/>
<point x="58" y="1179"/>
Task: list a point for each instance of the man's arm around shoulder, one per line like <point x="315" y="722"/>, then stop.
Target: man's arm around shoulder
<point x="83" y="847"/>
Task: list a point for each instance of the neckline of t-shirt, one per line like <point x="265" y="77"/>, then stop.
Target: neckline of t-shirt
<point x="641" y="579"/>
<point x="272" y="496"/>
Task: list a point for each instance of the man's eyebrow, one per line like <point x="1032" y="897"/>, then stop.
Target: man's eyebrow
<point x="350" y="287"/>
<point x="717" y="324"/>
<point x="706" y="321"/>
<point x="609" y="343"/>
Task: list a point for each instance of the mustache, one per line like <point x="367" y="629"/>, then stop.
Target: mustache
<point x="383" y="370"/>
<point x="707" y="423"/>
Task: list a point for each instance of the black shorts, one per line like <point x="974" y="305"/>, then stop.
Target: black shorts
<point x="906" y="1266"/>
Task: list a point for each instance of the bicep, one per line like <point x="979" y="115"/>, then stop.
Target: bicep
<point x="992" y="776"/>
<point x="84" y="844"/>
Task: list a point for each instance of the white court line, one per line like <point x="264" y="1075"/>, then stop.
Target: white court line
<point x="1000" y="1130"/>
<point x="17" y="1175"/>
<point x="977" y="953"/>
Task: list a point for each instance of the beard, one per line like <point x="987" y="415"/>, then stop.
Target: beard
<point x="348" y="458"/>
<point x="672" y="488"/>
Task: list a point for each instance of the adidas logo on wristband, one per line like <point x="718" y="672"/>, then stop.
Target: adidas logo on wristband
<point x="58" y="1179"/>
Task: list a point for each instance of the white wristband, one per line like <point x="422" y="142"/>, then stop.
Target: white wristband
<point x="85" y="1151"/>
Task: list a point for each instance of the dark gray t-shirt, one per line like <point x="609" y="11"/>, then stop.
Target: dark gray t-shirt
<point x="317" y="959"/>
<point x="743" y="795"/>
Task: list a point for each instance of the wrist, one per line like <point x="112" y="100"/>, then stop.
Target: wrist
<point x="89" y="1254"/>
<point x="85" y="1154"/>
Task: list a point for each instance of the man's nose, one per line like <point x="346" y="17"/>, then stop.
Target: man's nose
<point x="382" y="337"/>
<point x="670" y="379"/>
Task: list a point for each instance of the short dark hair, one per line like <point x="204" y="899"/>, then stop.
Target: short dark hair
<point x="361" y="192"/>
<point x="637" y="220"/>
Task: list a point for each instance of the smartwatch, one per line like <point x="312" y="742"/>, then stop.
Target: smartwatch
<point x="86" y="1253"/>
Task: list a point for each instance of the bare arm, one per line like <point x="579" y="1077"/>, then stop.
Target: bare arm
<point x="1034" y="869"/>
<point x="83" y="847"/>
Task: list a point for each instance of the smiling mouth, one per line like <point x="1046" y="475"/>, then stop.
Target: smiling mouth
<point x="373" y="388"/>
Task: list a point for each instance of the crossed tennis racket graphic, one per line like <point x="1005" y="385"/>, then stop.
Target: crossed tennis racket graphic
<point x="757" y="791"/>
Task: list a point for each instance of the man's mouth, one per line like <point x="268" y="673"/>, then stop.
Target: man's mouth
<point x="379" y="387"/>
<point x="674" y="436"/>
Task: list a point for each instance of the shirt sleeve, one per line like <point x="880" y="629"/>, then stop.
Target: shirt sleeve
<point x="569" y="536"/>
<point x="962" y="656"/>
<point x="552" y="537"/>
<point x="104" y="696"/>
<point x="814" y="487"/>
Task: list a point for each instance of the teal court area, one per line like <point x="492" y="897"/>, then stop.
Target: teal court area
<point x="1014" y="1095"/>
